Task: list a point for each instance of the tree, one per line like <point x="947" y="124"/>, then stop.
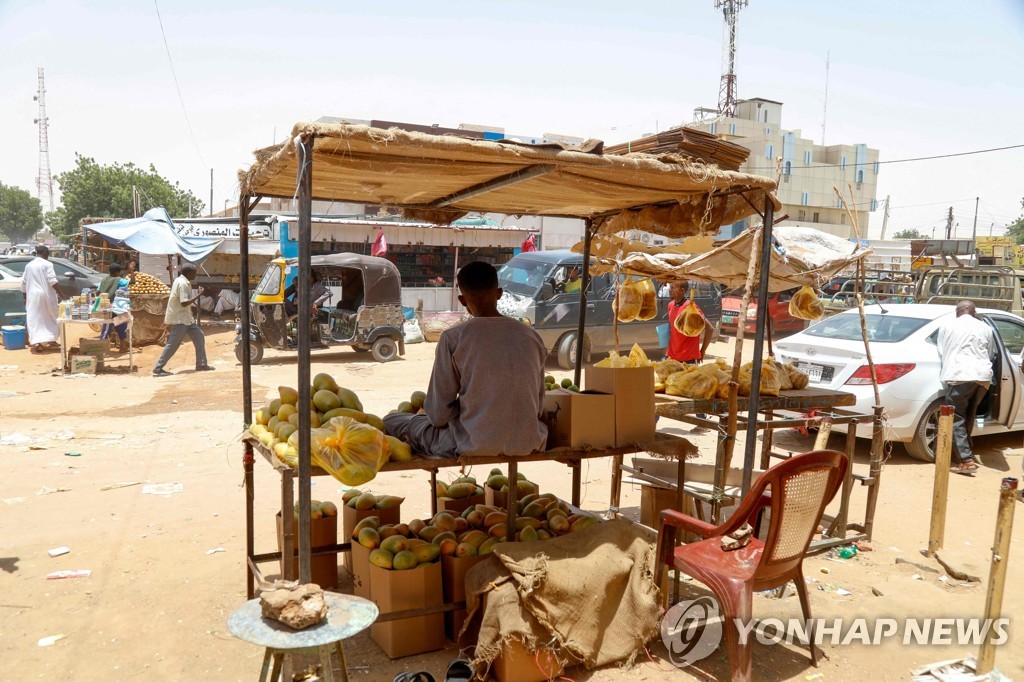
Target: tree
<point x="1015" y="230"/>
<point x="21" y="216"/>
<point x="909" y="234"/>
<point x="92" y="190"/>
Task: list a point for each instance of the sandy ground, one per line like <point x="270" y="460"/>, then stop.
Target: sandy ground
<point x="156" y="604"/>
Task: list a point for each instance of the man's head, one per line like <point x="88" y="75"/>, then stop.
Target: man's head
<point x="478" y="289"/>
<point x="966" y="308"/>
<point x="42" y="251"/>
<point x="115" y="269"/>
<point x="678" y="291"/>
<point x="574" y="274"/>
<point x="189" y="271"/>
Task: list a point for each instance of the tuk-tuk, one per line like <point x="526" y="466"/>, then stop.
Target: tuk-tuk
<point x="366" y="314"/>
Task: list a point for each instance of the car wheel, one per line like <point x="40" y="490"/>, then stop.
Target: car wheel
<point x="567" y="351"/>
<point x="255" y="352"/>
<point x="922" y="447"/>
<point x="384" y="349"/>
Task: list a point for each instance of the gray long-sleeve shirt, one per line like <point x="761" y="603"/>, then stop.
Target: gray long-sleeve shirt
<point x="487" y="386"/>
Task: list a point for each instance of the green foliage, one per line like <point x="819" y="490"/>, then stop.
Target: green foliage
<point x="92" y="190"/>
<point x="1015" y="230"/>
<point x="21" y="216"/>
<point x="909" y="234"/>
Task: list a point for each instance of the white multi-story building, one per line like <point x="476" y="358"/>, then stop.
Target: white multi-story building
<point x="807" y="171"/>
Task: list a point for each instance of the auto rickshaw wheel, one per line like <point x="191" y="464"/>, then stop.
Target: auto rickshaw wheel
<point x="255" y="352"/>
<point x="384" y="349"/>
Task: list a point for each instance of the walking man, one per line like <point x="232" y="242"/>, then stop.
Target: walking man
<point x="966" y="349"/>
<point x="39" y="284"/>
<point x="182" y="321"/>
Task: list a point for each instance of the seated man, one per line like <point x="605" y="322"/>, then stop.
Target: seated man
<point x="318" y="294"/>
<point x="487" y="384"/>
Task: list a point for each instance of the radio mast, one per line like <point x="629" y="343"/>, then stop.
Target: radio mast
<point x="44" y="181"/>
<point x="727" y="89"/>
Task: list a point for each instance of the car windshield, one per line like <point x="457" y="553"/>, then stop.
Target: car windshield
<point x="523" y="277"/>
<point x="270" y="285"/>
<point x="881" y="328"/>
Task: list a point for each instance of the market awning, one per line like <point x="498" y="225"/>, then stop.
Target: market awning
<point x="440" y="178"/>
<point x="800" y="256"/>
<point x="154" y="234"/>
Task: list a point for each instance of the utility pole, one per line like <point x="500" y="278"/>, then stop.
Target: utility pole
<point x="211" y="193"/>
<point x="949" y="224"/>
<point x="824" y="111"/>
<point x="885" y="216"/>
<point x="974" y="231"/>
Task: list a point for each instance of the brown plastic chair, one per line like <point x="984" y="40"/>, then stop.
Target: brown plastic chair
<point x="800" y="489"/>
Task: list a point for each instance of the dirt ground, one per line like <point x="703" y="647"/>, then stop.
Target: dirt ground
<point x="156" y="604"/>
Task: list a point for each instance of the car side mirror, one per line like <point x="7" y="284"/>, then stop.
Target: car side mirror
<point x="547" y="291"/>
<point x="69" y="275"/>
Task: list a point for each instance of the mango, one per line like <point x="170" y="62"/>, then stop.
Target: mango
<point x="376" y="422"/>
<point x="416" y="525"/>
<point x="284" y="430"/>
<point x="344" y="412"/>
<point x="461" y="524"/>
<point x="262" y="416"/>
<point x="498" y="530"/>
<point x="528" y="534"/>
<point x="527" y="499"/>
<point x="365" y="501"/>
<point x="465" y="549"/>
<point x="553" y="511"/>
<point x="473" y="537"/>
<point x="534" y="510"/>
<point x="329" y="508"/>
<point x="441" y="537"/>
<point x="440" y="490"/>
<point x="406" y="407"/>
<point x="496" y="481"/>
<point x="460" y="491"/>
<point x="543" y="534"/>
<point x="388" y="502"/>
<point x="559" y="524"/>
<point x="416" y="542"/>
<point x="369" y="538"/>
<point x="274" y="406"/>
<point x="257" y="430"/>
<point x="466" y="512"/>
<point x="288" y="395"/>
<point x="582" y="523"/>
<point x="350" y="494"/>
<point x="444" y="521"/>
<point x="488" y="546"/>
<point x="429" y="533"/>
<point x="267" y="439"/>
<point x="324" y="382"/>
<point x="465" y="479"/>
<point x="281" y="449"/>
<point x="286" y="410"/>
<point x="495" y="472"/>
<point x="486" y="509"/>
<point x="417" y="399"/>
<point x="495" y="518"/>
<point x="349" y="399"/>
<point x="326" y="401"/>
<point x="382" y="558"/>
<point x="403" y="529"/>
<point x="404" y="561"/>
<point x="448" y="546"/>
<point x="394" y="544"/>
<point x="400" y="450"/>
<point x="426" y="554"/>
<point x="369" y="522"/>
<point x="273" y="423"/>
<point x="524" y="522"/>
<point x="475" y="518"/>
<point x="386" y="532"/>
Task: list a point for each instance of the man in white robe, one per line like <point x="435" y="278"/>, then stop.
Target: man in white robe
<point x="39" y="284"/>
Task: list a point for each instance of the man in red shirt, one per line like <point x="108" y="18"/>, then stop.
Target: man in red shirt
<point x="688" y="349"/>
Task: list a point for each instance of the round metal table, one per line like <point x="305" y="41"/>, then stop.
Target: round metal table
<point x="347" y="615"/>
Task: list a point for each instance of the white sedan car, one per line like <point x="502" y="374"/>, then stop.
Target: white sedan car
<point x="903" y="347"/>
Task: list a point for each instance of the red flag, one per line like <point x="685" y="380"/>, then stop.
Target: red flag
<point x="380" y="245"/>
<point x="530" y="244"/>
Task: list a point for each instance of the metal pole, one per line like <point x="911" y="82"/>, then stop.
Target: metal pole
<point x="304" y="304"/>
<point x="974" y="230"/>
<point x="997" y="575"/>
<point x="211" y="192"/>
<point x="455" y="278"/>
<point x="885" y="216"/>
<point x="760" y="325"/>
<point x="588" y="236"/>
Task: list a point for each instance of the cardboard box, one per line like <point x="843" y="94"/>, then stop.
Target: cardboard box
<point x="516" y="664"/>
<point x="97" y="347"/>
<point x="458" y="506"/>
<point x="633" y="388"/>
<point x="84" y="364"/>
<point x="402" y="590"/>
<point x="453" y="575"/>
<point x="350" y="517"/>
<point x="323" y="532"/>
<point x="580" y="419"/>
<point x="360" y="570"/>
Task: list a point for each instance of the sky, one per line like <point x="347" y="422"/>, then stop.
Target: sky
<point x="910" y="78"/>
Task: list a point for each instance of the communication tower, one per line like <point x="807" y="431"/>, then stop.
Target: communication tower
<point x="727" y="90"/>
<point x="44" y="182"/>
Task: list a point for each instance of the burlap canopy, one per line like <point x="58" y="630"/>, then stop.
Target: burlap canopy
<point x="440" y="178"/>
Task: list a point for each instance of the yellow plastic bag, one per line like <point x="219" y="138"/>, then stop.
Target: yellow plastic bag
<point x="796" y="377"/>
<point x="785" y="382"/>
<point x="350" y="451"/>
<point x="691" y="383"/>
<point x="771" y="384"/>
<point x="648" y="300"/>
<point x="806" y="305"/>
<point x="637" y="357"/>
<point x="628" y="302"/>
<point x="690" y="322"/>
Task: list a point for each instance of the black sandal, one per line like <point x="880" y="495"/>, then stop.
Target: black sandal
<point x="421" y="676"/>
<point x="459" y="670"/>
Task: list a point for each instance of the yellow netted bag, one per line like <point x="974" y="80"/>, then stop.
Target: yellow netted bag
<point x="663" y="370"/>
<point x="350" y="451"/>
<point x="690" y="322"/>
<point x="806" y="305"/>
<point x="648" y="300"/>
<point x="691" y="383"/>
<point x="771" y="384"/>
<point x="785" y="382"/>
<point x="796" y="377"/>
<point x="628" y="302"/>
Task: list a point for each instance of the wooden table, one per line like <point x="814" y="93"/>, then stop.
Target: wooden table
<point x="665" y="445"/>
<point x="115" y="320"/>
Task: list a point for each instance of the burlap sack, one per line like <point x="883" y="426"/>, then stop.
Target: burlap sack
<point x="148" y="318"/>
<point x="592" y="593"/>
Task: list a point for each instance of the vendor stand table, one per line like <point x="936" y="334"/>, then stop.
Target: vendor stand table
<point x="346" y="616"/>
<point x="91" y="323"/>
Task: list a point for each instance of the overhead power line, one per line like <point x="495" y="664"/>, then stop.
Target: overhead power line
<point x="174" y="74"/>
<point x="919" y="158"/>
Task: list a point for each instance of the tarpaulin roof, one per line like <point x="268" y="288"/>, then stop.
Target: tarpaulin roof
<point x="800" y="256"/>
<point x="440" y="178"/>
<point x="154" y="234"/>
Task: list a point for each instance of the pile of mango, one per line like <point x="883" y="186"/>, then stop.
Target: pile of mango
<point x="497" y="480"/>
<point x="357" y="499"/>
<point x="413" y="405"/>
<point x="276" y="425"/>
<point x="551" y="384"/>
<point x="318" y="510"/>
<point x="394" y="547"/>
<point x="459" y="489"/>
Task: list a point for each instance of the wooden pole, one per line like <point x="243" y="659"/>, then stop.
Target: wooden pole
<point x="303" y="301"/>
<point x="877" y="460"/>
<point x="247" y="457"/>
<point x="581" y="346"/>
<point x="997" y="574"/>
<point x="824" y="431"/>
<point x="940" y="489"/>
